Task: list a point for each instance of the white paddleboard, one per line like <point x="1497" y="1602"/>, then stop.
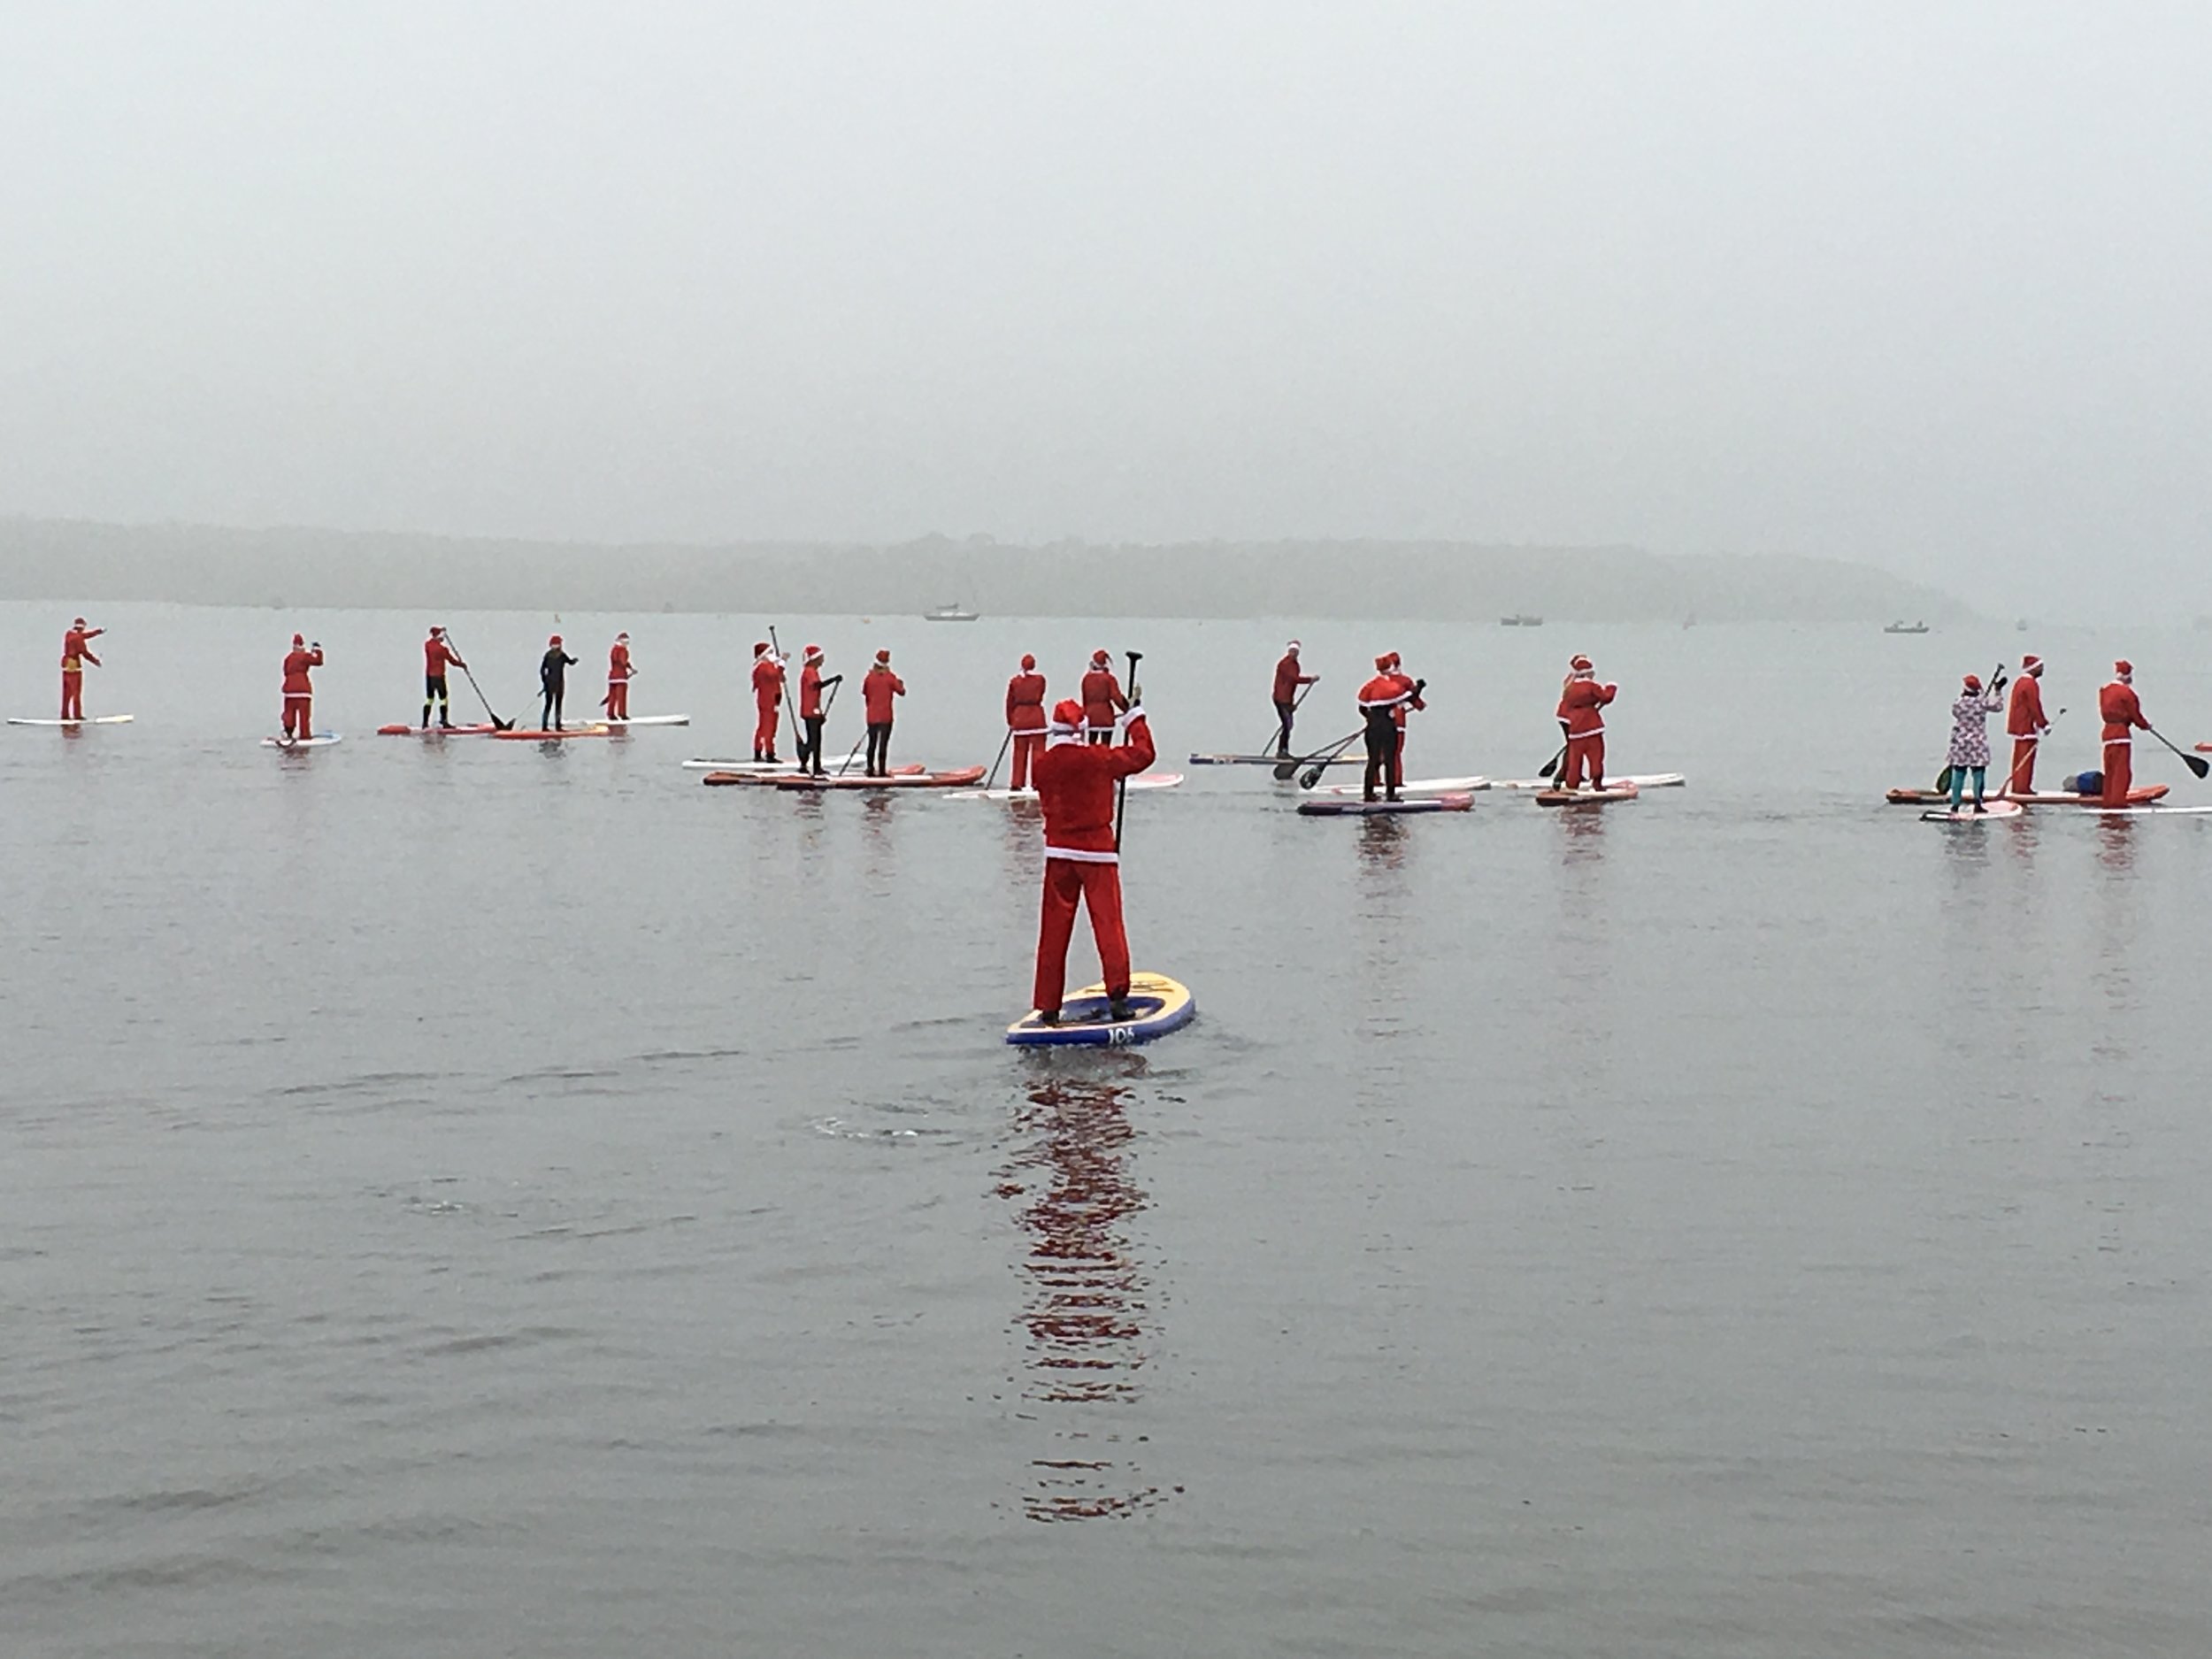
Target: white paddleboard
<point x="1641" y="780"/>
<point x="711" y="763"/>
<point x="1142" y="780"/>
<point x="97" y="719"/>
<point x="646" y="720"/>
<point x="1968" y="814"/>
<point x="321" y="739"/>
<point x="1416" y="786"/>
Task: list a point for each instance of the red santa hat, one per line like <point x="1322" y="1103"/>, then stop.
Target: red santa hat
<point x="436" y="630"/>
<point x="813" y="653"/>
<point x="622" y="636"/>
<point x="1292" y="648"/>
<point x="1099" y="659"/>
<point x="1029" y="663"/>
<point x="1579" y="663"/>
<point x="298" y="639"/>
<point x="1067" y="717"/>
<point x="760" y="648"/>
<point x="78" y="623"/>
<point x="2125" y="669"/>
<point x="1973" y="682"/>
<point x="2031" y="664"/>
<point x="884" y="658"/>
<point x="1382" y="662"/>
<point x="556" y="640"/>
<point x="1396" y="659"/>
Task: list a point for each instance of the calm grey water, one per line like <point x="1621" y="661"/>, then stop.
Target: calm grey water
<point x="489" y="1200"/>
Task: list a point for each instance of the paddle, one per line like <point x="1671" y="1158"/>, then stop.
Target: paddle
<point x="790" y="705"/>
<point x="1297" y="702"/>
<point x="2013" y="777"/>
<point x="1285" y="770"/>
<point x="498" y="725"/>
<point x="1312" y="775"/>
<point x="2196" y="764"/>
<point x="1121" y="784"/>
<point x="1004" y="743"/>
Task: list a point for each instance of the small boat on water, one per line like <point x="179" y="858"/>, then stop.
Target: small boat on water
<point x="1901" y="627"/>
<point x="1516" y="620"/>
<point x="951" y="613"/>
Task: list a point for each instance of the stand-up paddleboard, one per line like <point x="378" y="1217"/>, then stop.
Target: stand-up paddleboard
<point x="1968" y="814"/>
<point x="436" y="730"/>
<point x="97" y="719"/>
<point x="772" y="768"/>
<point x="1157" y="1005"/>
<point x="1607" y="796"/>
<point x="1275" y="760"/>
<point x="644" y="719"/>
<point x="2150" y="811"/>
<point x="959" y="780"/>
<point x="766" y="777"/>
<point x="539" y="734"/>
<point x="1412" y="786"/>
<point x="1385" y="809"/>
<point x="2141" y="795"/>
<point x="1142" y="780"/>
<point x="321" y="739"/>
<point x="1641" y="780"/>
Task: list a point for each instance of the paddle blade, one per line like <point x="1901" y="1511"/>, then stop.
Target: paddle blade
<point x="1943" y="781"/>
<point x="2198" y="764"/>
<point x="1285" y="771"/>
<point x="1311" y="777"/>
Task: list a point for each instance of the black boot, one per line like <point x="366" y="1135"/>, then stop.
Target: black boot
<point x="1118" y="1009"/>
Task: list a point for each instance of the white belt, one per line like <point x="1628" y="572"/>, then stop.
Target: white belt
<point x="1079" y="855"/>
<point x="1595" y="730"/>
<point x="2124" y="742"/>
<point x="1027" y="731"/>
<point x="290" y="695"/>
<point x="2026" y="737"/>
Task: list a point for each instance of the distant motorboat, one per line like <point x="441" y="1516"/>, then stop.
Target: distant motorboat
<point x="951" y="613"/>
<point x="1519" y="621"/>
<point x="2020" y="626"/>
<point x="1901" y="628"/>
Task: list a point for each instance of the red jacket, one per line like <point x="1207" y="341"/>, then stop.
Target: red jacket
<point x="1580" y="706"/>
<point x="877" y="687"/>
<point x="617" y="662"/>
<point x="2025" y="718"/>
<point x="1075" y="788"/>
<point x="1025" y="703"/>
<point x="767" y="684"/>
<point x="810" y="691"/>
<point x="296" y="663"/>
<point x="74" y="645"/>
<point x="1287" y="679"/>
<point x="2117" y="702"/>
<point x="1101" y="696"/>
<point x="436" y="654"/>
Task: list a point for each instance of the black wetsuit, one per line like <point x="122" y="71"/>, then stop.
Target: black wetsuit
<point x="1382" y="753"/>
<point x="553" y="676"/>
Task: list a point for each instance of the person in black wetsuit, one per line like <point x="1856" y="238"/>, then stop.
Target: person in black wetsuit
<point x="553" y="680"/>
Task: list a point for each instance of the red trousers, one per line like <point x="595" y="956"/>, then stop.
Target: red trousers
<point x="73" y="693"/>
<point x="617" y="699"/>
<point x="2119" y="772"/>
<point x="765" y="731"/>
<point x="1099" y="886"/>
<point x="299" y="708"/>
<point x="2021" y="779"/>
<point x="1584" y="751"/>
<point x="1027" y="747"/>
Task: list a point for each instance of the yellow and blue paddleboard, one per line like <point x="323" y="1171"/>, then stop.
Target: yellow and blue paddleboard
<point x="1157" y="1005"/>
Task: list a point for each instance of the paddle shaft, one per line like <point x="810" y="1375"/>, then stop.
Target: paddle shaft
<point x="1296" y="703"/>
<point x="1121" y="785"/>
<point x="1004" y="744"/>
<point x="1312" y="774"/>
<point x="504" y="725"/>
<point x="1285" y="770"/>
<point x="2013" y="777"/>
<point x="2196" y="764"/>
<point x="790" y="705"/>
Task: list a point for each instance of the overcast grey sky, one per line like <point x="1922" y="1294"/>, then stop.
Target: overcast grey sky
<point x="1921" y="284"/>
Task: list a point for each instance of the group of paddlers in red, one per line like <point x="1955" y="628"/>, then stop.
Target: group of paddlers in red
<point x="2026" y="723"/>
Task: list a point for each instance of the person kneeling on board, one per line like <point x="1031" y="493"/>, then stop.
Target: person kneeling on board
<point x="1383" y="702"/>
<point x="1102" y="699"/>
<point x="1969" y="734"/>
<point x="299" y="690"/>
<point x="767" y="699"/>
<point x="76" y="651"/>
<point x="1026" y="718"/>
<point x="2122" y="715"/>
<point x="877" y="687"/>
<point x="811" y="712"/>
<point x="1075" y="788"/>
<point x="436" y="654"/>
<point x="1288" y="681"/>
<point x="617" y="701"/>
<point x="1581" y="717"/>
<point x="553" y="681"/>
<point x="2024" y="724"/>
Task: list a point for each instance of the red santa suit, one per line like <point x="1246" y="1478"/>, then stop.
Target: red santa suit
<point x="1076" y="789"/>
<point x="618" y="673"/>
<point x="767" y="701"/>
<point x="76" y="653"/>
<point x="1101" y="699"/>
<point x="1026" y="718"/>
<point x="299" y="690"/>
<point x="2122" y="715"/>
<point x="1582" y="711"/>
<point x="2025" y="725"/>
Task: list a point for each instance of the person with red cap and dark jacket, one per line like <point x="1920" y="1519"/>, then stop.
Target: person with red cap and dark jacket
<point x="767" y="699"/>
<point x="877" y="687"/>
<point x="1076" y="790"/>
<point x="618" y="671"/>
<point x="1026" y="718"/>
<point x="553" y="682"/>
<point x="299" y="690"/>
<point x="1581" y="715"/>
<point x="811" y="713"/>
<point x="2024" y="724"/>
<point x="1289" y="681"/>
<point x="2122" y="715"/>
<point x="1383" y="702"/>
<point x="436" y="654"/>
<point x="1103" y="700"/>
<point x="76" y="651"/>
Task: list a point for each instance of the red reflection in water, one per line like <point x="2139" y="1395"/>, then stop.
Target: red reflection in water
<point x="1086" y="1311"/>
